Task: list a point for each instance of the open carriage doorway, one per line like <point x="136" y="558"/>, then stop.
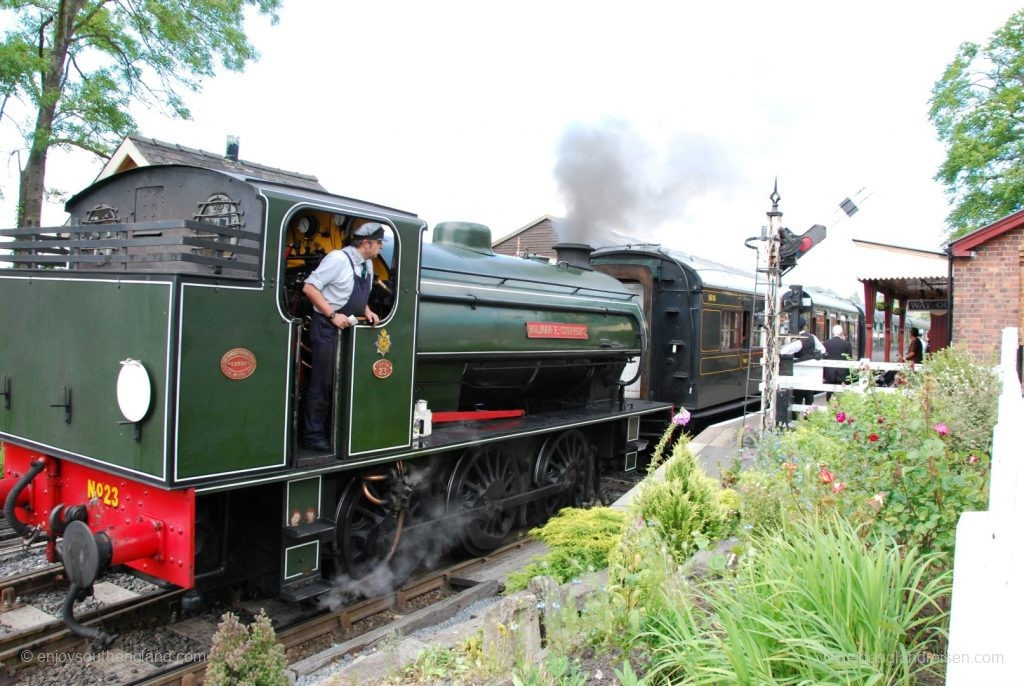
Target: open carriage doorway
<point x="310" y="236"/>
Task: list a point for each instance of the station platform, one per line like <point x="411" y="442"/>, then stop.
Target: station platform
<point x="719" y="446"/>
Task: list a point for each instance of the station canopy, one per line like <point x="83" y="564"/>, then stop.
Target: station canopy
<point x="916" y="281"/>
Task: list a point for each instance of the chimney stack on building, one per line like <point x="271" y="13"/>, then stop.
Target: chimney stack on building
<point x="232" y="149"/>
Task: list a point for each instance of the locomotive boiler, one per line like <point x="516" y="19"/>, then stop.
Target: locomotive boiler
<point x="153" y="361"/>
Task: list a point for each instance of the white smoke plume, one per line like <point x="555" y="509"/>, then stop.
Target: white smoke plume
<point x="617" y="185"/>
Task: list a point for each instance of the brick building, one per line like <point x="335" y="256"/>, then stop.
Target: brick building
<point x="988" y="291"/>
<point x="536" y="238"/>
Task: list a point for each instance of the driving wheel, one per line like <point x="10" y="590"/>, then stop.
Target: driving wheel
<point x="563" y="459"/>
<point x="367" y="528"/>
<point x="482" y="477"/>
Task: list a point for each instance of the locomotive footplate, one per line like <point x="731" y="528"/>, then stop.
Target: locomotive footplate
<point x="455" y="435"/>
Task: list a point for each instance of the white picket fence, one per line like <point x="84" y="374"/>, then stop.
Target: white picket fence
<point x="985" y="632"/>
<point x="807" y="377"/>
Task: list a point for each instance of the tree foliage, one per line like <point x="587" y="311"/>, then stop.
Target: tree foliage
<point x="77" y="66"/>
<point x="977" y="108"/>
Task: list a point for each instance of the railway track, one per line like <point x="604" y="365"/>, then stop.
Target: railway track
<point x="33" y="634"/>
<point x="312" y="639"/>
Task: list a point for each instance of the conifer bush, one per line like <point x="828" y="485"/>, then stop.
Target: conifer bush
<point x="579" y="541"/>
<point x="246" y="655"/>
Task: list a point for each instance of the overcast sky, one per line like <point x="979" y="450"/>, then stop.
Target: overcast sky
<point x="667" y="121"/>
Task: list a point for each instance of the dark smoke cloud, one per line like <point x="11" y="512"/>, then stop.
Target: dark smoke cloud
<point x="618" y="186"/>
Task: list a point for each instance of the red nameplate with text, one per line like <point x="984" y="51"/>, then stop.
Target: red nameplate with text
<point x="556" y="330"/>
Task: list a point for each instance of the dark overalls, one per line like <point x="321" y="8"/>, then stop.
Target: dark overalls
<point x="323" y="336"/>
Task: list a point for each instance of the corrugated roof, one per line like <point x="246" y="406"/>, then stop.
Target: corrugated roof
<point x="881" y="262"/>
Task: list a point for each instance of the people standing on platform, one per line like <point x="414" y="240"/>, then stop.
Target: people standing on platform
<point x="804" y="346"/>
<point x="836" y="348"/>
<point x="915" y="351"/>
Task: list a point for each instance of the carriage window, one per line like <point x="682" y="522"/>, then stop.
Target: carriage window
<point x="731" y="329"/>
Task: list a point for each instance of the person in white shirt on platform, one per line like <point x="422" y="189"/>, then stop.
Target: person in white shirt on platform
<point x="804" y="346"/>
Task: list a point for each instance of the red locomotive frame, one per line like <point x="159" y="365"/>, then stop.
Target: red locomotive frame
<point x="150" y="528"/>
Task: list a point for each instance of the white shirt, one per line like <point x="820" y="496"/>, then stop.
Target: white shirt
<point x="334" y="277"/>
<point x="793" y="347"/>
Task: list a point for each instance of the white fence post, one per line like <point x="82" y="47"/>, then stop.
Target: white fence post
<point x="985" y="632"/>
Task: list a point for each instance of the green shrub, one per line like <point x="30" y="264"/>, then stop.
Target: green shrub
<point x="688" y="509"/>
<point x="246" y="655"/>
<point x="963" y="395"/>
<point x="579" y="542"/>
<point x="812" y="604"/>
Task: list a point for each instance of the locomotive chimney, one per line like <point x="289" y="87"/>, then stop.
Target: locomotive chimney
<point x="574" y="254"/>
<point x="231" y="152"/>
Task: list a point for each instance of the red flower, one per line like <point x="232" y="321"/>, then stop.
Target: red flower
<point x="881" y="420"/>
<point x="873" y="438"/>
<point x="841" y="417"/>
<point x="838" y="486"/>
<point x="825" y="475"/>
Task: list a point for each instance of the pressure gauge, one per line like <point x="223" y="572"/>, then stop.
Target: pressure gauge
<point x="307" y="226"/>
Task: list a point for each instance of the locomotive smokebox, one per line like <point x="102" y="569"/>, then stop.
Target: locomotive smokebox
<point x="574" y="255"/>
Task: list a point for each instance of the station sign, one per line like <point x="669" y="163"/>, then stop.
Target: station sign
<point x="923" y="304"/>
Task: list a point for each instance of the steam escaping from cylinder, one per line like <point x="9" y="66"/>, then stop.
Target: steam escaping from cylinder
<point x="618" y="186"/>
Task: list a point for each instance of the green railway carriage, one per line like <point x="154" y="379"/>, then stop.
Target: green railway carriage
<point x="706" y="340"/>
<point x="153" y="363"/>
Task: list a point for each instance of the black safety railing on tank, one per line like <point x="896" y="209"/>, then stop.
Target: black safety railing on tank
<point x="145" y="246"/>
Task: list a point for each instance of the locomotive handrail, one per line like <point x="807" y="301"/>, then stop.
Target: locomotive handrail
<point x="476" y="300"/>
<point x="499" y="281"/>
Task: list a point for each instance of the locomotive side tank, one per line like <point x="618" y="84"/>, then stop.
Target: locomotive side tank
<point x="154" y="361"/>
<point x="504" y="333"/>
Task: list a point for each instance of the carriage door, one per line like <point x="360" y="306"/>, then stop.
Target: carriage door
<point x="633" y="370"/>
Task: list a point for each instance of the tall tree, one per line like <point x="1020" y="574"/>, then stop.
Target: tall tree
<point x="78" y="66"/>
<point x="978" y="110"/>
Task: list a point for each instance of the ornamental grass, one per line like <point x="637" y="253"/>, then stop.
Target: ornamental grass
<point x="812" y="603"/>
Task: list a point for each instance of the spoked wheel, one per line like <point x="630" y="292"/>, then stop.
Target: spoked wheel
<point x="563" y="459"/>
<point x="369" y="520"/>
<point x="481" y="477"/>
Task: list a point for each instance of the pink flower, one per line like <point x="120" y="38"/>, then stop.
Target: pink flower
<point x="941" y="429"/>
<point x="825" y="475"/>
<point x="681" y="418"/>
<point x="841" y="417"/>
<point x="973" y="459"/>
<point x="873" y="438"/>
<point x="838" y="487"/>
<point x="877" y="501"/>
